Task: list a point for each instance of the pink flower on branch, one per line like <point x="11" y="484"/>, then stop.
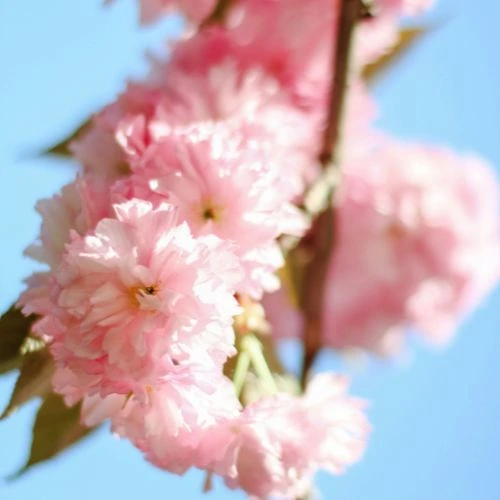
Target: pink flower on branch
<point x="77" y="209"/>
<point x="170" y="422"/>
<point x="224" y="184"/>
<point x="137" y="296"/>
<point x="186" y="201"/>
<point x="417" y="246"/>
<point x="276" y="445"/>
<point x="195" y="10"/>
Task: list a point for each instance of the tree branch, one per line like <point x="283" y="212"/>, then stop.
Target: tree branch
<point x="218" y="14"/>
<point x="323" y="230"/>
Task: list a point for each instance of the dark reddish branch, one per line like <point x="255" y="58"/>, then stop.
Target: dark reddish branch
<point x="350" y="12"/>
<point x="218" y="13"/>
<point x="323" y="231"/>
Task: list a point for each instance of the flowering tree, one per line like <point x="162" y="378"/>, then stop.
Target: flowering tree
<point x="238" y="196"/>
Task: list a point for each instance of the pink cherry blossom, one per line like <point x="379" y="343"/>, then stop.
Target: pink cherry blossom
<point x="78" y="208"/>
<point x="429" y="223"/>
<point x="98" y="152"/>
<point x="187" y="198"/>
<point x="406" y="7"/>
<point x="224" y="91"/>
<point x="195" y="10"/>
<point x="136" y="296"/>
<point x="417" y="247"/>
<point x="277" y="443"/>
<point x="179" y="95"/>
<point x="170" y="424"/>
<point x="175" y="96"/>
<point x="98" y="148"/>
<point x="225" y="188"/>
<point x="288" y="41"/>
<point x="376" y="36"/>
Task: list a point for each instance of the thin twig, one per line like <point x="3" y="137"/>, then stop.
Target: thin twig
<point x="350" y="12"/>
<point x="218" y="14"/>
<point x="323" y="231"/>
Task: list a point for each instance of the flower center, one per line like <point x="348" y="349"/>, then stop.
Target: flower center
<point x="211" y="212"/>
<point x="148" y="290"/>
<point x="123" y="169"/>
<point x="396" y="231"/>
<point x="139" y="293"/>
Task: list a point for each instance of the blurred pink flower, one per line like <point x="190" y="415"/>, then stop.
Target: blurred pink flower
<point x="417" y="246"/>
<point x="195" y="10"/>
<point x="286" y="41"/>
<point x="405" y="7"/>
<point x="98" y="149"/>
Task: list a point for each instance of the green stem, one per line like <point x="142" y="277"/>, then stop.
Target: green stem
<point x="240" y="372"/>
<point x="253" y="347"/>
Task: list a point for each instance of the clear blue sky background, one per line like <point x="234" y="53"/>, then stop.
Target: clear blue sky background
<point x="436" y="419"/>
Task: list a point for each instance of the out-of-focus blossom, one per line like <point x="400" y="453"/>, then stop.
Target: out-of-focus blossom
<point x="417" y="246"/>
<point x="404" y="7"/>
<point x="376" y="36"/>
<point x="195" y="11"/>
<point x="266" y="39"/>
<point x="98" y="148"/>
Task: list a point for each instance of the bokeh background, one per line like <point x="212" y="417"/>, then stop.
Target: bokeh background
<point x="435" y="416"/>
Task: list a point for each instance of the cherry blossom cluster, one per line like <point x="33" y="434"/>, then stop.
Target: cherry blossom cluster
<point x="417" y="249"/>
<point x="189" y="184"/>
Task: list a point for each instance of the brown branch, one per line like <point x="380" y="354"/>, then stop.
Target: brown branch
<point x="218" y="14"/>
<point x="323" y="230"/>
<point x="350" y="12"/>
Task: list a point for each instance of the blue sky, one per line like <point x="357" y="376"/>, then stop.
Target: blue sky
<point x="435" y="418"/>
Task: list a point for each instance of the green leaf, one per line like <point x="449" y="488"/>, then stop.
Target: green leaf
<point x="290" y="281"/>
<point x="62" y="147"/>
<point x="56" y="428"/>
<point x="14" y="329"/>
<point x="34" y="380"/>
<point x="292" y="274"/>
<point x="407" y="38"/>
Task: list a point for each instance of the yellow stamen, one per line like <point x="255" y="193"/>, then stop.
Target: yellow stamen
<point x="142" y="291"/>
